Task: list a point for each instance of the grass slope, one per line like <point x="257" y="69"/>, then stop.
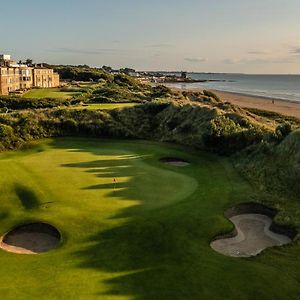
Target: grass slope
<point x="146" y="239"/>
<point x="104" y="106"/>
<point x="55" y="93"/>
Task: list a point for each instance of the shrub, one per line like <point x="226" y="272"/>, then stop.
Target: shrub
<point x="17" y="103"/>
<point x="211" y="95"/>
<point x="7" y="137"/>
<point x="226" y="137"/>
<point x="161" y="91"/>
<point x="69" y="126"/>
<point x="283" y="130"/>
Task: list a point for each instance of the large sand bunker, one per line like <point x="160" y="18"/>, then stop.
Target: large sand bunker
<point x="254" y="232"/>
<point x="31" y="239"/>
<point x="174" y="161"/>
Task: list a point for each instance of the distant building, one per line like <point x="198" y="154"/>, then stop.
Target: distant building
<point x="183" y="75"/>
<point x="26" y="78"/>
<point x="45" y="78"/>
<point x="5" y="57"/>
<point x="19" y="77"/>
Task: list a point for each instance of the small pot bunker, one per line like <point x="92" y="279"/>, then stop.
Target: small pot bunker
<point x="175" y="161"/>
<point x="33" y="238"/>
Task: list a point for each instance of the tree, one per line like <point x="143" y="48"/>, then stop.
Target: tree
<point x="107" y="68"/>
<point x="283" y="130"/>
<point x="29" y="62"/>
<point x="127" y="71"/>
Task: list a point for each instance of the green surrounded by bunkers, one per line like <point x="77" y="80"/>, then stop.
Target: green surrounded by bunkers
<point x="131" y="226"/>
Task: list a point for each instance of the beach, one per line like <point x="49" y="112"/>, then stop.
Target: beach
<point x="284" y="107"/>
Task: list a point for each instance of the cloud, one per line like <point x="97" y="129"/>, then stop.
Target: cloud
<point x="260" y="61"/>
<point x="258" y="52"/>
<point x="296" y="51"/>
<point x="155" y="55"/>
<point x="86" y="51"/>
<point x="255" y="61"/>
<point x="160" y="46"/>
<point x="233" y="61"/>
<point x="229" y="61"/>
<point x="195" y="60"/>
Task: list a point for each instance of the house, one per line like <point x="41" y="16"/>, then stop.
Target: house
<point x="44" y="77"/>
<point x="19" y="77"/>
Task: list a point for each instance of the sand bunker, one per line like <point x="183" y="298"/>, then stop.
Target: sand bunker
<point x="174" y="161"/>
<point x="253" y="236"/>
<point x="31" y="239"/>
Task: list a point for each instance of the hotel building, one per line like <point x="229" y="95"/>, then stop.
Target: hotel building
<point x="19" y="77"/>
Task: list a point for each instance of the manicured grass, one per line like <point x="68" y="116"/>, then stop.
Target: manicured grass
<point x="145" y="238"/>
<point x="105" y="106"/>
<point x="48" y="93"/>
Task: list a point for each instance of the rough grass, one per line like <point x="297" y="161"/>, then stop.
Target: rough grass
<point x="55" y="93"/>
<point x="104" y="106"/>
<point x="275" y="168"/>
<point x="147" y="237"/>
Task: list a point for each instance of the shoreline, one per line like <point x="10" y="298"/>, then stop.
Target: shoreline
<point x="256" y="96"/>
<point x="281" y="106"/>
<point x="285" y="107"/>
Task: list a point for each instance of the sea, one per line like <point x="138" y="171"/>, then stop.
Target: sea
<point x="285" y="87"/>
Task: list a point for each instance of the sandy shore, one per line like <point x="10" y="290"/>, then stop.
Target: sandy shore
<point x="284" y="107"/>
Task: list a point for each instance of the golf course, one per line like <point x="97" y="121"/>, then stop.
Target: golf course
<point x="54" y="93"/>
<point x="130" y="225"/>
<point x="150" y="150"/>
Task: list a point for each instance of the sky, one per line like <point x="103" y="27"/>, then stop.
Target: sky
<point x="255" y="36"/>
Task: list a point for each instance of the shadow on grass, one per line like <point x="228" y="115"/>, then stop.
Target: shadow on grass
<point x="3" y="215"/>
<point x="159" y="253"/>
<point x="27" y="197"/>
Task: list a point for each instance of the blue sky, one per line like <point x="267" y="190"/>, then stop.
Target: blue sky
<point x="258" y="36"/>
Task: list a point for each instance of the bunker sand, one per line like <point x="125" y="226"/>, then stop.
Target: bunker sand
<point x="173" y="161"/>
<point x="253" y="236"/>
<point x="30" y="239"/>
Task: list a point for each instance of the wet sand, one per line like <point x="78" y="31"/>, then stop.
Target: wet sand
<point x="284" y="107"/>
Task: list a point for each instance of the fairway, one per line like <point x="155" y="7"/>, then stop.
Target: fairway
<point x="54" y="93"/>
<point x="132" y="227"/>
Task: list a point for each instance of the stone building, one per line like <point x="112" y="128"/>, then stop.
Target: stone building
<point x="9" y="80"/>
<point x="45" y="78"/>
<point x="26" y="77"/>
<point x="19" y="77"/>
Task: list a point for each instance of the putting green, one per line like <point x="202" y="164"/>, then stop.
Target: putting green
<point x="145" y="236"/>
